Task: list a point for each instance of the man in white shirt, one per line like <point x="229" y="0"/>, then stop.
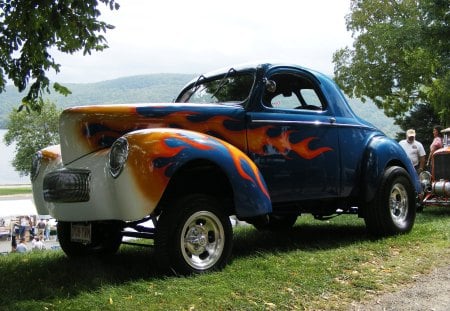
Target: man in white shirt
<point x="414" y="149"/>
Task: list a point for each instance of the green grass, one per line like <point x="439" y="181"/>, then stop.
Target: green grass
<point x="15" y="190"/>
<point x="317" y="265"/>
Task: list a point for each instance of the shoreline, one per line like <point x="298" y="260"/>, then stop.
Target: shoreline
<point x="14" y="185"/>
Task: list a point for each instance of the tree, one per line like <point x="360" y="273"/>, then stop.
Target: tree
<point x="400" y="56"/>
<point x="31" y="132"/>
<point x="30" y="28"/>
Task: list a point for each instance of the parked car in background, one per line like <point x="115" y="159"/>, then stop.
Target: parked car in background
<point x="265" y="143"/>
<point x="436" y="183"/>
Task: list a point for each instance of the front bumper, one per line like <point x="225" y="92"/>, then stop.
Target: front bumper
<point x="84" y="190"/>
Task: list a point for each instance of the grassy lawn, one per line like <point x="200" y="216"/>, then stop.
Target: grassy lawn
<point x="317" y="265"/>
<point x="9" y="190"/>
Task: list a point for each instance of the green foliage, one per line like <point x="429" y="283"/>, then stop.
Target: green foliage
<point x="400" y="56"/>
<point x="31" y="132"/>
<point x="30" y="29"/>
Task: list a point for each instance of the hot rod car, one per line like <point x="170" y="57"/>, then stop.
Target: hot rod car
<point x="436" y="184"/>
<point x="265" y="143"/>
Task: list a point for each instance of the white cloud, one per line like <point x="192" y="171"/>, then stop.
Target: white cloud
<point x="197" y="36"/>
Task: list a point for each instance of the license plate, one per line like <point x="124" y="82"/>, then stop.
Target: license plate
<point x="80" y="233"/>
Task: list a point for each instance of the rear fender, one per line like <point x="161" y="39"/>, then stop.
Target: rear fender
<point x="155" y="155"/>
<point x="382" y="152"/>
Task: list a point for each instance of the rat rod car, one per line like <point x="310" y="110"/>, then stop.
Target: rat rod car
<point x="265" y="143"/>
<point x="436" y="185"/>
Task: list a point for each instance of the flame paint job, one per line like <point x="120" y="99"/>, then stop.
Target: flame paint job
<point x="91" y="128"/>
<point x="282" y="143"/>
<point x="329" y="154"/>
<point x="156" y="154"/>
<point x="51" y="153"/>
<point x="99" y="126"/>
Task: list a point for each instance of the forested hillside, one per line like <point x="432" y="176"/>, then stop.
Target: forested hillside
<point x="153" y="88"/>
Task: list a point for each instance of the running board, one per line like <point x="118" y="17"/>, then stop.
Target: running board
<point x="136" y="244"/>
<point x="141" y="235"/>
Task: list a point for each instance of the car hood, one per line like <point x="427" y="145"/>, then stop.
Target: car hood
<point x="87" y="129"/>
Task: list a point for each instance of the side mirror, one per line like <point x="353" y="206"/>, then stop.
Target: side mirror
<point x="271" y="86"/>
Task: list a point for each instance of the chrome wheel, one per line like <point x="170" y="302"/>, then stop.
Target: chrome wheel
<point x="194" y="235"/>
<point x="392" y="209"/>
<point x="398" y="204"/>
<point x="203" y="240"/>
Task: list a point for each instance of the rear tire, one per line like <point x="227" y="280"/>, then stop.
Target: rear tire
<point x="193" y="236"/>
<point x="393" y="208"/>
<point x="106" y="239"/>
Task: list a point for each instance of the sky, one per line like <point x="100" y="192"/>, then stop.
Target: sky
<point x="179" y="36"/>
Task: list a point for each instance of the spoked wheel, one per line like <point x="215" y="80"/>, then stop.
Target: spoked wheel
<point x="393" y="208"/>
<point x="398" y="204"/>
<point x="106" y="238"/>
<point x="203" y="239"/>
<point x="193" y="236"/>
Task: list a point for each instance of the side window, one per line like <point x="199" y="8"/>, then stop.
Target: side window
<point x="311" y="98"/>
<point x="290" y="91"/>
<point x="286" y="101"/>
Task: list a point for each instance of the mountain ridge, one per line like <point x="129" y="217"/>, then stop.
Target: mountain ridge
<point x="153" y="88"/>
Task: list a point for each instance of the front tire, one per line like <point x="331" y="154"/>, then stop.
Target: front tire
<point x="193" y="236"/>
<point x="393" y="208"/>
<point x="106" y="239"/>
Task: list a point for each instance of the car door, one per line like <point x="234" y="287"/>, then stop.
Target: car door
<point x="293" y="140"/>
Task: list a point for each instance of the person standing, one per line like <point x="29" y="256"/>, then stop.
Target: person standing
<point x="41" y="227"/>
<point x="13" y="244"/>
<point x="437" y="142"/>
<point x="47" y="230"/>
<point x="414" y="149"/>
<point x="23" y="226"/>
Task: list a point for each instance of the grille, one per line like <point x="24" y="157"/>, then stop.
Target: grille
<point x="67" y="186"/>
<point x="442" y="166"/>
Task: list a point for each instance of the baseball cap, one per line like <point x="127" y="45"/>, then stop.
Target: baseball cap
<point x="410" y="133"/>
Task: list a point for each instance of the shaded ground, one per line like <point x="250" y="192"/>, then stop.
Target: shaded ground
<point x="428" y="292"/>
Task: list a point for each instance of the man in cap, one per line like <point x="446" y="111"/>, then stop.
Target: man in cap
<point x="414" y="149"/>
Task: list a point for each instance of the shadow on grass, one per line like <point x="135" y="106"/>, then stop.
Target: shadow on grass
<point x="309" y="237"/>
<point x="51" y="275"/>
<point x="431" y="212"/>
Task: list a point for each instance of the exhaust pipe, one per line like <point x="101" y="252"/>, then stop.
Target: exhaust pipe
<point x="441" y="188"/>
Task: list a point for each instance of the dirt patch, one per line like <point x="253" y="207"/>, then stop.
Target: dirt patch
<point x="428" y="292"/>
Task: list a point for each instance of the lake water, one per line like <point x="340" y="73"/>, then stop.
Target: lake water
<point x="8" y="176"/>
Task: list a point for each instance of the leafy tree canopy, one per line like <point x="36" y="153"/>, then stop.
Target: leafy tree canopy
<point x="400" y="56"/>
<point x="32" y="132"/>
<point x="30" y="28"/>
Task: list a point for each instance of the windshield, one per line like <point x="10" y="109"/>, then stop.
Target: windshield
<point x="231" y="87"/>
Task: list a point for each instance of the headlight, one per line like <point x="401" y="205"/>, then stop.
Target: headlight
<point x="118" y="156"/>
<point x="425" y="181"/>
<point x="35" y="165"/>
<point x="425" y="177"/>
